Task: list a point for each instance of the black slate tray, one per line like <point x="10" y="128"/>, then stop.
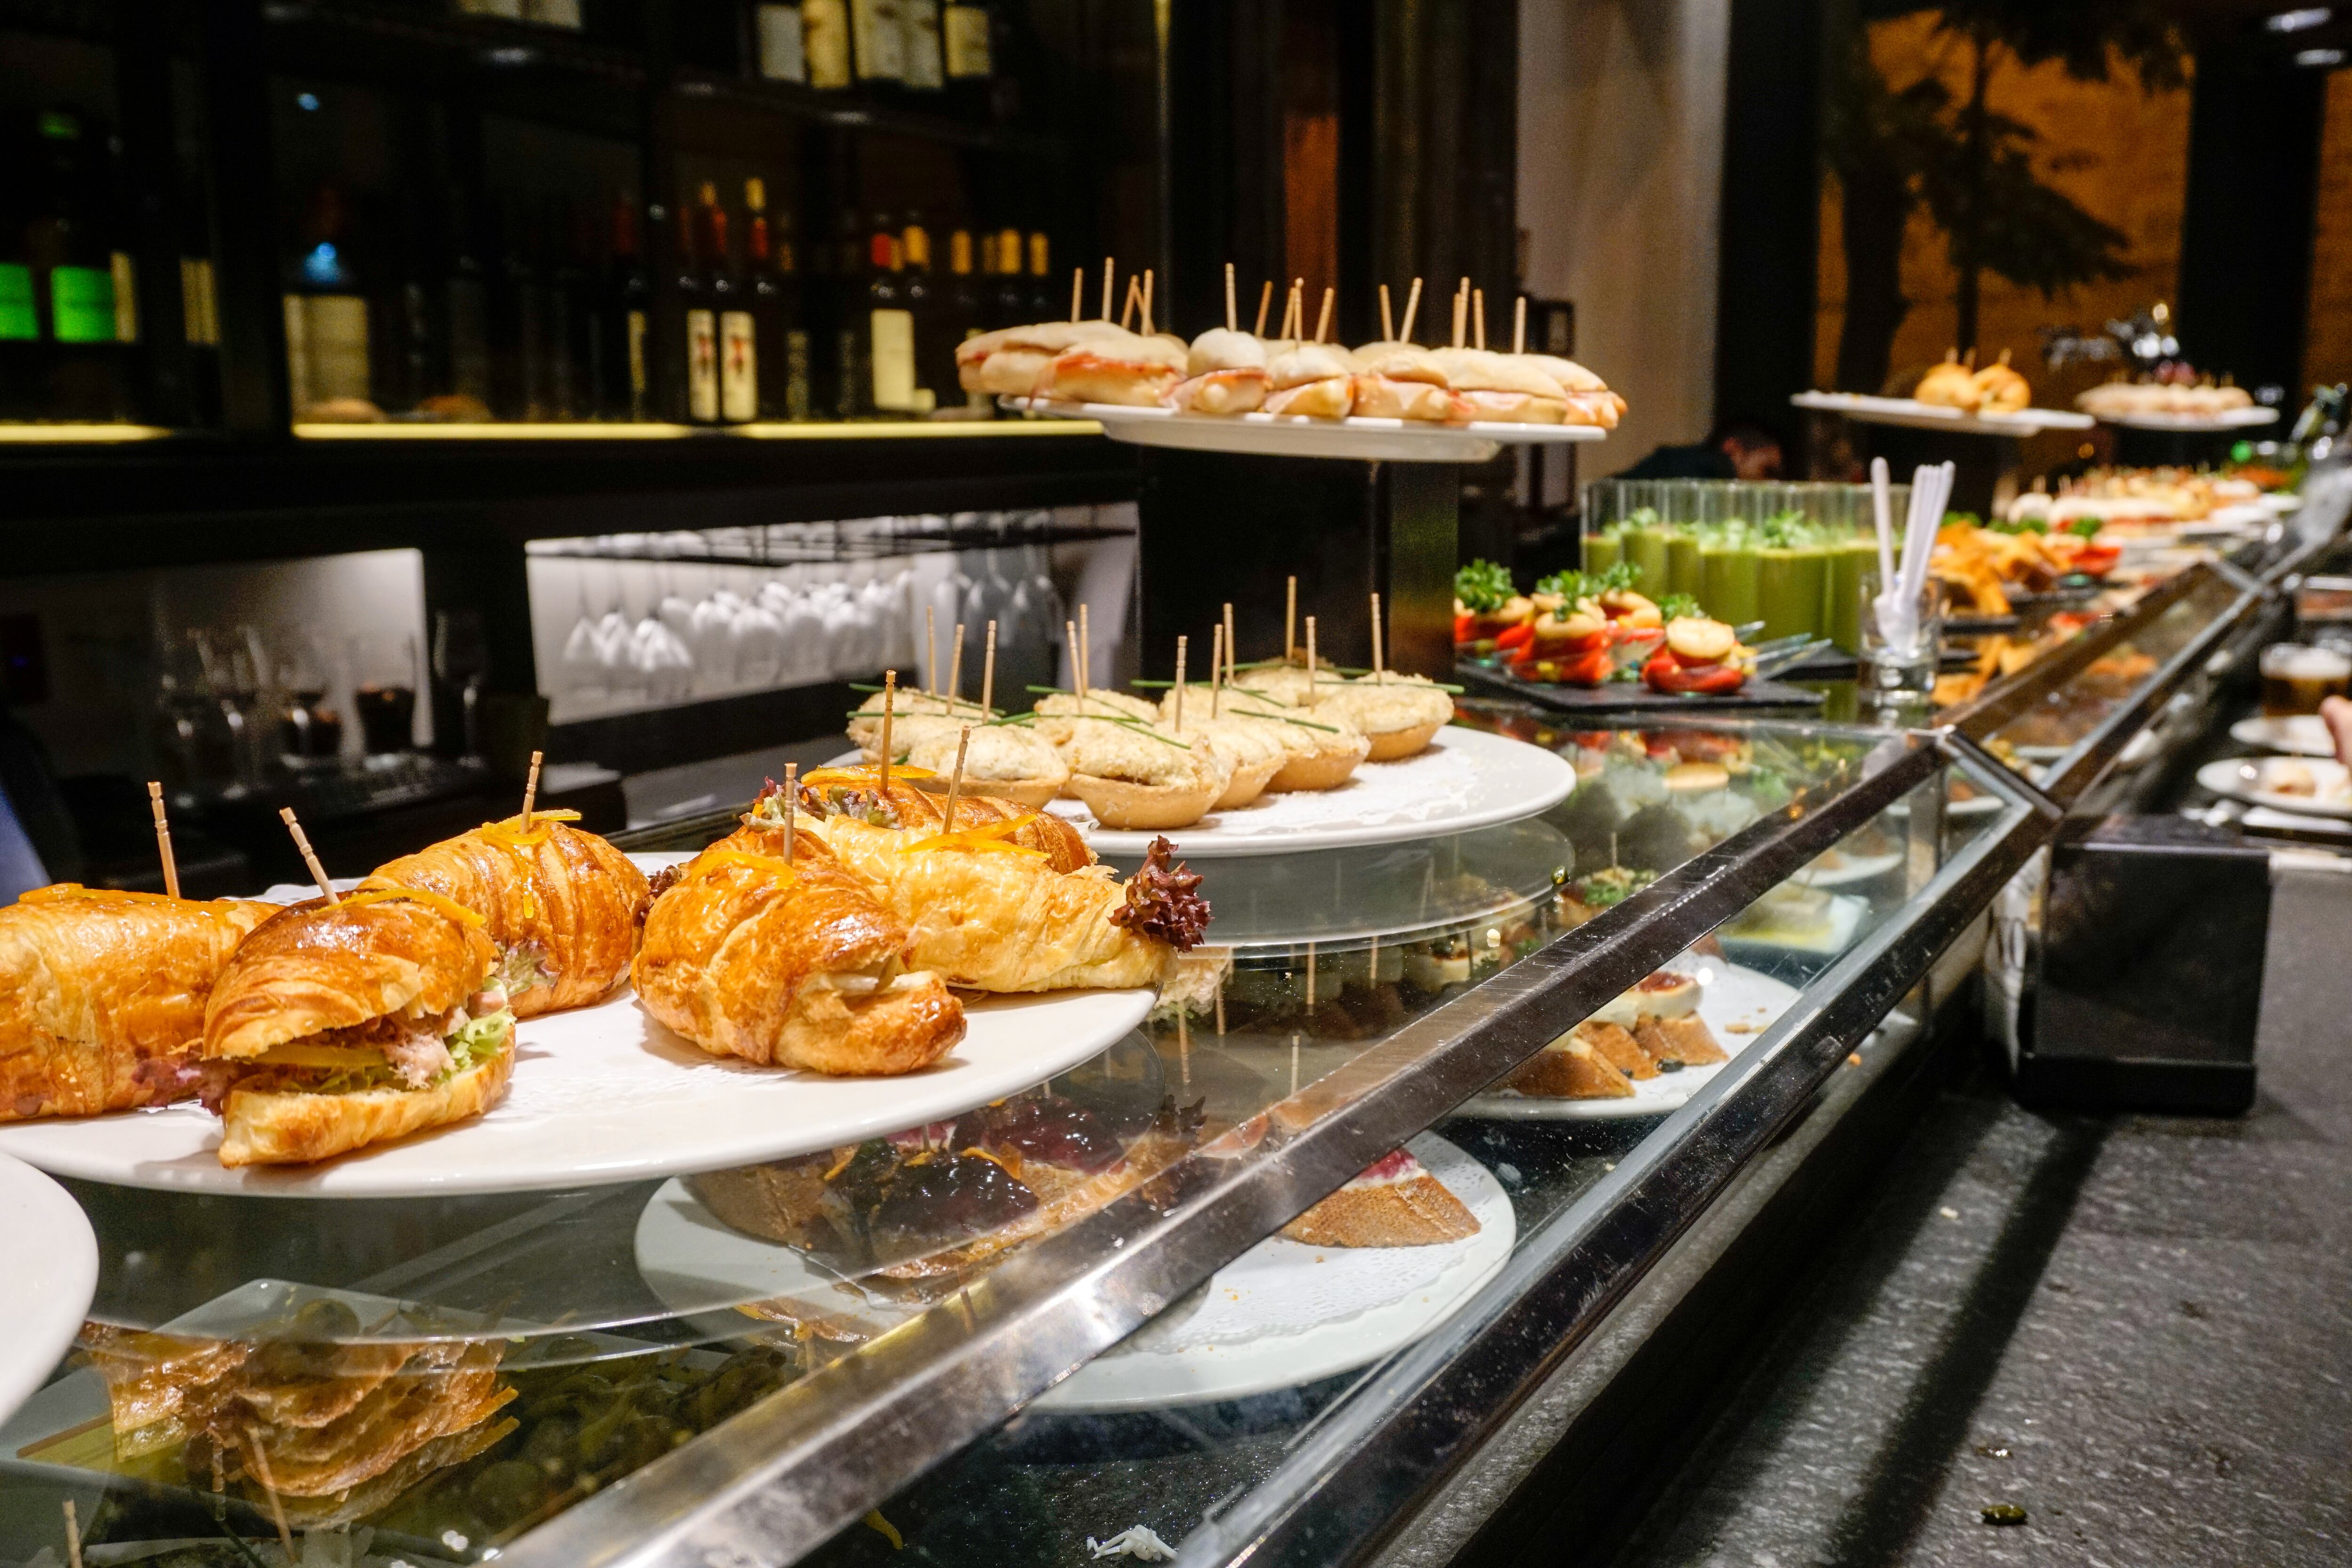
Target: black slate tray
<point x="1629" y="696"/>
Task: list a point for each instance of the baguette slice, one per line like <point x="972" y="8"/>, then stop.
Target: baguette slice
<point x="262" y="1127"/>
<point x="1618" y="1048"/>
<point x="1685" y="1040"/>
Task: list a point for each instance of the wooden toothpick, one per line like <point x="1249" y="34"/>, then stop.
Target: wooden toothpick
<point x="1077" y="667"/>
<point x="1461" y="313"/>
<point x="269" y="1489"/>
<point x="1180" y="684"/>
<point x="792" y="805"/>
<point x="1519" y="326"/>
<point x="955" y="778"/>
<point x="988" y="675"/>
<point x="1086" y="652"/>
<point x="1380" y="669"/>
<point x="530" y="790"/>
<point x="889" y="702"/>
<point x="1233" y="320"/>
<point x="1388" y="326"/>
<point x="1147" y="302"/>
<point x="955" y="669"/>
<point x="1290" y="621"/>
<point x="1078" y="293"/>
<point x="1411" y="306"/>
<point x="1310" y="663"/>
<point x="73" y="1536"/>
<point x="310" y="856"/>
<point x="163" y="841"/>
<point x="1265" y="298"/>
<point x="1107" y="273"/>
<point x="1216" y="669"/>
<point x="1127" y="305"/>
<point x="1183" y="1049"/>
<point x="1323" y="318"/>
<point x="1478" y="315"/>
<point x="1229" y="643"/>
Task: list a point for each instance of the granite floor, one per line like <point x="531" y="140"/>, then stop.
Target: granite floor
<point x="2136" y="1329"/>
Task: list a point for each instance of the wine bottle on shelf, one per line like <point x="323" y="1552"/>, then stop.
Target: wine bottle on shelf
<point x="465" y="318"/>
<point x="21" y="356"/>
<point x="518" y="357"/>
<point x="926" y="306"/>
<point x="852" y="358"/>
<point x="731" y="301"/>
<point x="327" y="346"/>
<point x="825" y="43"/>
<point x="890" y="326"/>
<point x="778" y="335"/>
<point x="623" y="323"/>
<point x="1008" y="298"/>
<point x="70" y="264"/>
<point x="404" y="367"/>
<point x="701" y="323"/>
<point x="1042" y="306"/>
<point x="878" y="32"/>
<point x="783" y="42"/>
<point x="569" y="311"/>
<point x="966" y="33"/>
<point x="967" y="308"/>
<point x="925" y="58"/>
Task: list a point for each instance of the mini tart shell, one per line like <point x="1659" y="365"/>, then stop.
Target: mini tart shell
<point x="1329" y="766"/>
<point x="1392" y="745"/>
<point x="1125" y="805"/>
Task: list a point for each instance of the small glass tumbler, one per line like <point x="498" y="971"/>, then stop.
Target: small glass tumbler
<point x="1890" y="672"/>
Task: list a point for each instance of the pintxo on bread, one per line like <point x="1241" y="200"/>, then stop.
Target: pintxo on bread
<point x="1652" y="1029"/>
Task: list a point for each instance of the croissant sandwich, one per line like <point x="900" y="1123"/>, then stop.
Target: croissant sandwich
<point x="563" y="907"/>
<point x="338" y="1026"/>
<point x="102" y="996"/>
<point x="1008" y="361"/>
<point x="992" y="912"/>
<point x="1118" y="367"/>
<point x="790" y="963"/>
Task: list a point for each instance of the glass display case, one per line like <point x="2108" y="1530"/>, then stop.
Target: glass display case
<point x="1080" y="1312"/>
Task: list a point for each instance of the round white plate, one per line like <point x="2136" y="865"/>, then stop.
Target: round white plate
<point x="1296" y="436"/>
<point x="1466" y="779"/>
<point x="2230" y="419"/>
<point x="1856" y="868"/>
<point x="2301" y="734"/>
<point x="46" y="1289"/>
<point x="2248" y="779"/>
<point x="1313" y="1328"/>
<point x="1738" y="1005"/>
<point x="1912" y="414"/>
<point x="605" y="1094"/>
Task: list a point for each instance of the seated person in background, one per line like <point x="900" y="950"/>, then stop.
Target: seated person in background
<point x="1734" y="450"/>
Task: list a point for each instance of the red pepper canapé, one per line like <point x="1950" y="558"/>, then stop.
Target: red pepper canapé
<point x="1700" y="658"/>
<point x="1570" y="646"/>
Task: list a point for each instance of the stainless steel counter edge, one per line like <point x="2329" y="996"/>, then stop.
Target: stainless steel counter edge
<point x="1336" y="1494"/>
<point x="777" y="1480"/>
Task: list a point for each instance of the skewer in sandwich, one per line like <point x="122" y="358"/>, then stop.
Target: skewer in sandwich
<point x="765" y="947"/>
<point x="355" y="1021"/>
<point x="1314" y="379"/>
<point x="563" y="908"/>
<point x="1225" y="368"/>
<point x="103" y="995"/>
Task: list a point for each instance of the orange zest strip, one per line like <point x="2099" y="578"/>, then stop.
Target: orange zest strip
<point x="433" y="902"/>
<point x="865" y="776"/>
<point x="514" y="836"/>
<point x="60" y="891"/>
<point x="770" y="863"/>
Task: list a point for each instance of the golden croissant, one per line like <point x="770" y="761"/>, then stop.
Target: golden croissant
<point x="990" y="911"/>
<point x="563" y="907"/>
<point x="103" y="995"/>
<point x="336" y="1025"/>
<point x="788" y="963"/>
